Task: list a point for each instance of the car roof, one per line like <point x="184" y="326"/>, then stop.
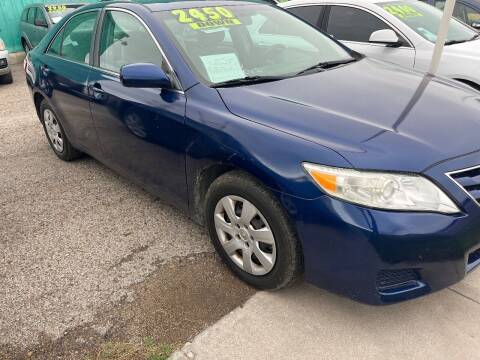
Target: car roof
<point x="159" y="5"/>
<point x="53" y="3"/>
<point x="352" y="2"/>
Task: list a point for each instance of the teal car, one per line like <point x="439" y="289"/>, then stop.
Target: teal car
<point x="38" y="19"/>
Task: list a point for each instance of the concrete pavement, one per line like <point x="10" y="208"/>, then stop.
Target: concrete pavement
<point x="309" y="323"/>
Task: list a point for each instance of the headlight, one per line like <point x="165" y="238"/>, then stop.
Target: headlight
<point x="382" y="190"/>
<point x="2" y="45"/>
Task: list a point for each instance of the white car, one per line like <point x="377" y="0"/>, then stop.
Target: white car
<point x="402" y="32"/>
<point x="5" y="72"/>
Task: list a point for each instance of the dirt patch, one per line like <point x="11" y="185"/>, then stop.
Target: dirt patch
<point x="175" y="303"/>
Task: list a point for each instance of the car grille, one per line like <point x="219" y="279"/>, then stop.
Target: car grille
<point x="469" y="180"/>
<point x="393" y="278"/>
<point x="3" y="63"/>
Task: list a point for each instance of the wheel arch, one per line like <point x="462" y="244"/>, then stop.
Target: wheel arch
<point x="469" y="83"/>
<point x="24" y="40"/>
<point x="38" y="97"/>
<point x="202" y="183"/>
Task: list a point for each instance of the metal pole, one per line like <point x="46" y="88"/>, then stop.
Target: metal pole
<point x="441" y="36"/>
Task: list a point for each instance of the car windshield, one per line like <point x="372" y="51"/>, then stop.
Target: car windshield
<point x="57" y="12"/>
<point x="425" y="20"/>
<point x="229" y="42"/>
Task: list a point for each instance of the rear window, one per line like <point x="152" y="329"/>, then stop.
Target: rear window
<point x="57" y="12"/>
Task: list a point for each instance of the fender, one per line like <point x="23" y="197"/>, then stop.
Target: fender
<point x="220" y="141"/>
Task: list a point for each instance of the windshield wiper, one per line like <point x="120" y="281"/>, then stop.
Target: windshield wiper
<point x="326" y="65"/>
<point x="247" y="80"/>
<point x="453" y="42"/>
<point x="475" y="37"/>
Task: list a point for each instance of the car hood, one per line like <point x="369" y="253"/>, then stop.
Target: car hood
<point x="375" y="114"/>
<point x="469" y="50"/>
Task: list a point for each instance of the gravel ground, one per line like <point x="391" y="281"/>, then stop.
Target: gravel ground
<point x="75" y="237"/>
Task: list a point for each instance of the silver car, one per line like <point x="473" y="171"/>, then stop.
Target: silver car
<point x="399" y="31"/>
<point x="5" y="71"/>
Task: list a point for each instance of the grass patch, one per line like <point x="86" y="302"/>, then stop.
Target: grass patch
<point x="149" y="349"/>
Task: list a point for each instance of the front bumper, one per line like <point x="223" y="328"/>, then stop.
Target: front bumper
<point x="4" y="65"/>
<point x="381" y="257"/>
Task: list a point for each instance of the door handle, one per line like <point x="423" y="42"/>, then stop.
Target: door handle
<point x="97" y="88"/>
<point x="97" y="92"/>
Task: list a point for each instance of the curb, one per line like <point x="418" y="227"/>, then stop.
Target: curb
<point x="184" y="353"/>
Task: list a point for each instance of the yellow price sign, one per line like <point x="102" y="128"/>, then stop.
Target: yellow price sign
<point x="56" y="8"/>
<point x="206" y="17"/>
<point x="402" y="11"/>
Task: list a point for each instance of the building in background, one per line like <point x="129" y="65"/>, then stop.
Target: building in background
<point x="10" y="12"/>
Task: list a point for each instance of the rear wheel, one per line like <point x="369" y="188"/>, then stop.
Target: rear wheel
<point x="56" y="134"/>
<point x="252" y="232"/>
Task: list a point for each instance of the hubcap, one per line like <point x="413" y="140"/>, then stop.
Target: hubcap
<point x="245" y="235"/>
<point x="53" y="130"/>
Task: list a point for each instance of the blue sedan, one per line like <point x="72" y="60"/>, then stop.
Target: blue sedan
<point x="297" y="154"/>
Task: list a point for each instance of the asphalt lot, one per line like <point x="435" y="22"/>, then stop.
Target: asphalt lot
<point x="78" y="241"/>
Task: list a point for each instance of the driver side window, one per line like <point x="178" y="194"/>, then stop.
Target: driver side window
<point x="40" y="17"/>
<point x="352" y="24"/>
<point x="124" y="41"/>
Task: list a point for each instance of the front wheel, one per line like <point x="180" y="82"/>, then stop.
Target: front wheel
<point x="251" y="232"/>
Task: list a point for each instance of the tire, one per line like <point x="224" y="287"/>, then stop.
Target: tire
<point x="6" y="79"/>
<point x="283" y="257"/>
<point x="56" y="134"/>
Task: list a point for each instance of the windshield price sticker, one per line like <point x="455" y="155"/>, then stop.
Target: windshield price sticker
<point x="56" y="8"/>
<point x="207" y="17"/>
<point x="402" y="11"/>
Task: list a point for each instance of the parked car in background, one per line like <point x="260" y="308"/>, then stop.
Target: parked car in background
<point x="402" y="32"/>
<point x="37" y="19"/>
<point x="467" y="11"/>
<point x="5" y="71"/>
<point x="297" y="153"/>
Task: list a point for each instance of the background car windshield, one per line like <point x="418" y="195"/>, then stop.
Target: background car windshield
<point x="232" y="42"/>
<point x="57" y="12"/>
<point x="425" y="20"/>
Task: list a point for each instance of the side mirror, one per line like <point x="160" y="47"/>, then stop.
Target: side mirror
<point x="41" y="22"/>
<point x="386" y="37"/>
<point x="144" y="76"/>
<point x="476" y="25"/>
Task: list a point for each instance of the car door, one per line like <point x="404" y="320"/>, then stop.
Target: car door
<point x="353" y="26"/>
<point x="63" y="76"/>
<point x="141" y="131"/>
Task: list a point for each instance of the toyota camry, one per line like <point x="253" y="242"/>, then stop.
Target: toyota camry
<point x="299" y="155"/>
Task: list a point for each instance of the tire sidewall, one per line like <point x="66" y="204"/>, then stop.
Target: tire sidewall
<point x="277" y="219"/>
